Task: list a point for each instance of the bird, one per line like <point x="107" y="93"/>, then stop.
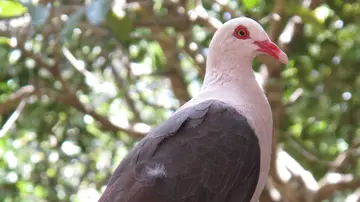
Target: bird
<point x="217" y="146"/>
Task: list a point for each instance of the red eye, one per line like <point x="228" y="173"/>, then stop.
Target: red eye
<point x="241" y="32"/>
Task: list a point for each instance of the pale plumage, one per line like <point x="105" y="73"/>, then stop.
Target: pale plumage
<point x="216" y="147"/>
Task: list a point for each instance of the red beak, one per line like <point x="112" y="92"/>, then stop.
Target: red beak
<point x="272" y="49"/>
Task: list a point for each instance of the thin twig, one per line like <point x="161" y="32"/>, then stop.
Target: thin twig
<point x="329" y="188"/>
<point x="15" y="98"/>
<point x="79" y="65"/>
<point x="10" y="122"/>
<point x="104" y="121"/>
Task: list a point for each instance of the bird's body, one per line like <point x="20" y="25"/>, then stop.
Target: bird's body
<point x="251" y="103"/>
<point x="216" y="147"/>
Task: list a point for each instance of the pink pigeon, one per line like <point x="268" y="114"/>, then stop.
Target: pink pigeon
<point x="217" y="146"/>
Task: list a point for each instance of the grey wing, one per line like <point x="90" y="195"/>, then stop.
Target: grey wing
<point x="205" y="153"/>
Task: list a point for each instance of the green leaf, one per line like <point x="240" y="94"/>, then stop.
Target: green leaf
<point x="11" y="8"/>
<point x="4" y="40"/>
<point x="119" y="26"/>
<point x="39" y="13"/>
<point x="96" y="11"/>
<point x="250" y="4"/>
<point x="141" y="55"/>
<point x="71" y="23"/>
<point x="306" y="15"/>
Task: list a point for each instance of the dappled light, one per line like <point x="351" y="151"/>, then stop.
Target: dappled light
<point x="81" y="82"/>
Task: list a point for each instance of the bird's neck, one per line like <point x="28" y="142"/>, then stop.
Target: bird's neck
<point x="232" y="81"/>
<point x="228" y="70"/>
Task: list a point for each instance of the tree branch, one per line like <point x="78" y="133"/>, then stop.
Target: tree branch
<point x="122" y="86"/>
<point x="194" y="51"/>
<point x="104" y="121"/>
<point x="342" y="159"/>
<point x="329" y="188"/>
<point x="15" y="98"/>
<point x="277" y="19"/>
<point x="225" y="7"/>
<point x="155" y="105"/>
<point x="13" y="25"/>
<point x="273" y="88"/>
<point x="7" y="126"/>
<point x="176" y="76"/>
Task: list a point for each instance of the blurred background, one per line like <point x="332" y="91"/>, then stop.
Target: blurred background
<point x="81" y="81"/>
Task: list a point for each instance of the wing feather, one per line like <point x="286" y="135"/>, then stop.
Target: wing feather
<point x="205" y="153"/>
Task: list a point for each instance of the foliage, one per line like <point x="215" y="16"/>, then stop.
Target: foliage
<point x="81" y="83"/>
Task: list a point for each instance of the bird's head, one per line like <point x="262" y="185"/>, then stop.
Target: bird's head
<point x="245" y="37"/>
